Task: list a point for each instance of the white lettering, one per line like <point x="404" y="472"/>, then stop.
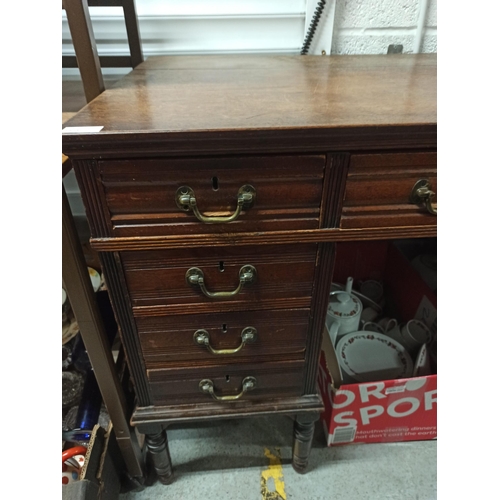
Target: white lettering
<point x="430" y="398"/>
<point x="349" y="398"/>
<point x="391" y="410"/>
<point x="367" y="390"/>
<point x="367" y="414"/>
<point x="340" y="418"/>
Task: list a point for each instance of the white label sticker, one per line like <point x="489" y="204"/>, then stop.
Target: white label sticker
<point x="397" y="388"/>
<point x="81" y="130"/>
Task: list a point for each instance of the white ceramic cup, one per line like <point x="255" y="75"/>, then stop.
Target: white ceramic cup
<point x="414" y="334"/>
<point x="393" y="330"/>
<point x="368" y="315"/>
<point x="387" y="323"/>
<point x="371" y="326"/>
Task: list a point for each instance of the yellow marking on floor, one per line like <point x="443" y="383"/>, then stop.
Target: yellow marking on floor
<point x="274" y="472"/>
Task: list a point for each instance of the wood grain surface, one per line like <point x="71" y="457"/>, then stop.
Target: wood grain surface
<point x="202" y="93"/>
<point x="157" y="278"/>
<point x="140" y="194"/>
<point x="170" y="386"/>
<point x="378" y="188"/>
<point x="169" y="340"/>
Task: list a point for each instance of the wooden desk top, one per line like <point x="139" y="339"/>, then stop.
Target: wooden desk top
<point x="168" y="95"/>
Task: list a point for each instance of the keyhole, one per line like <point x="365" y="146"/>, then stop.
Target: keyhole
<point x="224" y="328"/>
<point x="221" y="266"/>
<point x="215" y="183"/>
<point x="227" y="378"/>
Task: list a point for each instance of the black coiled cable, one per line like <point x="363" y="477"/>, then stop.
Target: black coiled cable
<point x="312" y="28"/>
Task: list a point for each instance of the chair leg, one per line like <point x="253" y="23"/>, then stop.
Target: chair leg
<point x="82" y="34"/>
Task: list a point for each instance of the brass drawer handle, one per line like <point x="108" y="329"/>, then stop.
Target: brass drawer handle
<point x="421" y="192"/>
<point x="248" y="335"/>
<point x="207" y="386"/>
<point x="195" y="277"/>
<point x="185" y="200"/>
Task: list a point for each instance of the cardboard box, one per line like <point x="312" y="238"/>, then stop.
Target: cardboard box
<point x="386" y="410"/>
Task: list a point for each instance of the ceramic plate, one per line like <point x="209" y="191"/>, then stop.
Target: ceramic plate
<point x="422" y="362"/>
<point x="95" y="277"/>
<point x="370" y="356"/>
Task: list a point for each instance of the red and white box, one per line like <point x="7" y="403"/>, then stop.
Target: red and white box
<point x="386" y="410"/>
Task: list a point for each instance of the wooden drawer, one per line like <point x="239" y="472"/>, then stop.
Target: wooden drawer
<point x="277" y="335"/>
<point x="177" y="386"/>
<point x="141" y="194"/>
<point x="157" y="285"/>
<point x="378" y="190"/>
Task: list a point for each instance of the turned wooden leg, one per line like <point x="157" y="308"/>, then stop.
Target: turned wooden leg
<point x="303" y="431"/>
<point x="158" y="448"/>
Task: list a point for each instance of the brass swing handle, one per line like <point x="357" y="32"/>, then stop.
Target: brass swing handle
<point x="421" y="192"/>
<point x="195" y="277"/>
<point x="185" y="200"/>
<point x="248" y="335"/>
<point x="207" y="386"/>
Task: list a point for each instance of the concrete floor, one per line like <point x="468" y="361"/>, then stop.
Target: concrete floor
<point x="231" y="461"/>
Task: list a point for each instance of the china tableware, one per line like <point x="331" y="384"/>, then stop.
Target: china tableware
<point x="422" y="364"/>
<point x="344" y="313"/>
<point x="393" y="330"/>
<point x="370" y="356"/>
<point x="371" y="326"/>
<point x="95" y="278"/>
<point x="415" y="333"/>
<point x="369" y="314"/>
<point x="387" y="323"/>
<point x="366" y="301"/>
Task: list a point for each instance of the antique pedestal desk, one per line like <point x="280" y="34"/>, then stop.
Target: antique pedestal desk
<point x="216" y="191"/>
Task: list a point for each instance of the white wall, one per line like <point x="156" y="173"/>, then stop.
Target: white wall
<point x="370" y="26"/>
<point x="259" y="26"/>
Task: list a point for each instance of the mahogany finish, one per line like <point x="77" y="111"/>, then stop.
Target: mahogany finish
<point x="181" y="385"/>
<point x="156" y="278"/>
<point x="237" y="93"/>
<point x="332" y="146"/>
<point x="378" y="189"/>
<point x="168" y="340"/>
<point x="140" y="194"/>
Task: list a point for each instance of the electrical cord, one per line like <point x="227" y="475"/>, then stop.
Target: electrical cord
<point x="312" y="27"/>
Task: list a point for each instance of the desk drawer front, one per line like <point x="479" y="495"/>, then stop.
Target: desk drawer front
<point x="171" y="341"/>
<point x="177" y="386"/>
<point x="378" y="190"/>
<point x="141" y="194"/>
<point x="157" y="279"/>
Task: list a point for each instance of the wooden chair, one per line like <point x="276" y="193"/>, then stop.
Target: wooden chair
<point x="74" y="269"/>
<point x="87" y="58"/>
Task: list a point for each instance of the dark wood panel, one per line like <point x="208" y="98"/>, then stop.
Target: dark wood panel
<point x="169" y="386"/>
<point x="268" y="238"/>
<point x="121" y="305"/>
<point x="140" y="194"/>
<point x="378" y="189"/>
<point x="158" y="277"/>
<point x="279" y="92"/>
<point x="286" y="141"/>
<point x="310" y="403"/>
<point x="236" y="305"/>
<point x="170" y="340"/>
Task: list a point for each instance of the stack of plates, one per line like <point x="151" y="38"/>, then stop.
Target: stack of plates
<point x="370" y="356"/>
